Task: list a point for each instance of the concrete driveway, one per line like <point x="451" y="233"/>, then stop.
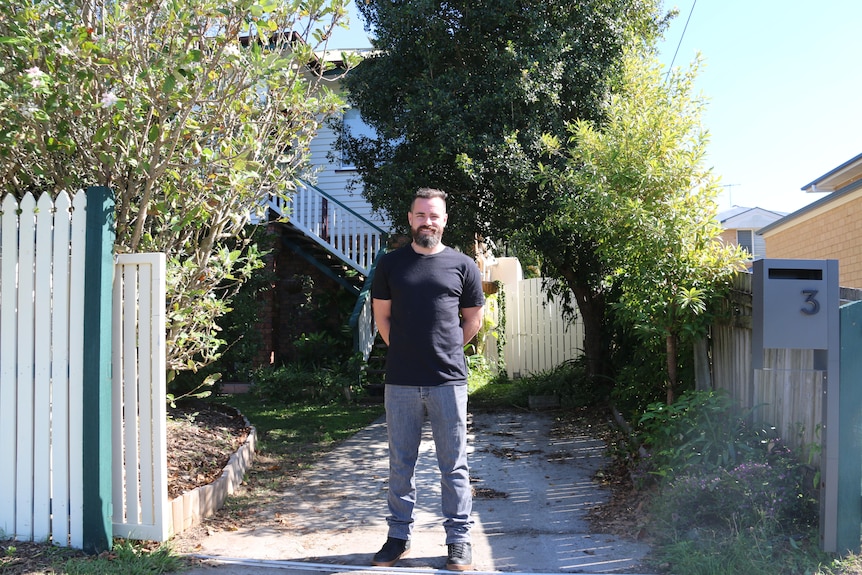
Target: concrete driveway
<point x="533" y="487"/>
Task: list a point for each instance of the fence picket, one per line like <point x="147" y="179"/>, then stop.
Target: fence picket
<point x="60" y="357"/>
<point x="76" y="368"/>
<point x="42" y="370"/>
<point x="26" y="343"/>
<point x="8" y="362"/>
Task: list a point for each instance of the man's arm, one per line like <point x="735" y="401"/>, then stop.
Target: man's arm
<point x="382" y="309"/>
<point x="471" y="321"/>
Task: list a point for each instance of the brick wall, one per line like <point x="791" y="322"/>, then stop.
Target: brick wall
<point x="302" y="300"/>
<point x="832" y="232"/>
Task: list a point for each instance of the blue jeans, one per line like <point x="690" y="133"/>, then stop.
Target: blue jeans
<point x="446" y="408"/>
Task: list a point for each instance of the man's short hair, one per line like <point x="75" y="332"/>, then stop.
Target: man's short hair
<point x="428" y="193"/>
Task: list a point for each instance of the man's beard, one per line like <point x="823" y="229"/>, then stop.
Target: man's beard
<point x="430" y="240"/>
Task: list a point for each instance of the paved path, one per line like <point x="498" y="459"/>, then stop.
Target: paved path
<point x="533" y="489"/>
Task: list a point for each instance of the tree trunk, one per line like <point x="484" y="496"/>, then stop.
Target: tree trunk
<point x="591" y="306"/>
<point x="671" y="342"/>
<point x="702" y="374"/>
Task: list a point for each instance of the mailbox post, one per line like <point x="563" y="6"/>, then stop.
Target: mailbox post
<point x="796" y="306"/>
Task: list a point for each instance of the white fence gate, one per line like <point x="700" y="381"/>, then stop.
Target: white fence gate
<point x="42" y="346"/>
<point x="538" y="337"/>
<point x="140" y="473"/>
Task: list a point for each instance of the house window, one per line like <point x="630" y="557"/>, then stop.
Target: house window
<point x="745" y="239"/>
<point x="354" y="126"/>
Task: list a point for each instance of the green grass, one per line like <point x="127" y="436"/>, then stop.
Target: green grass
<point x="126" y="558"/>
<point x="301" y="431"/>
<point x="291" y="437"/>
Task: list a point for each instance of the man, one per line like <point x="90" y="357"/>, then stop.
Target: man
<point x="427" y="300"/>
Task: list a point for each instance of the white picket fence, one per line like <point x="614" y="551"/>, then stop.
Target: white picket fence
<point x="42" y="269"/>
<point x="41" y="369"/>
<point x="538" y="336"/>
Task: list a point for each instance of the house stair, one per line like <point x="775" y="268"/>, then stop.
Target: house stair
<point x="341" y="243"/>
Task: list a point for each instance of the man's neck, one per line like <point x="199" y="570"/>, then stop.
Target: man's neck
<point x="428" y="251"/>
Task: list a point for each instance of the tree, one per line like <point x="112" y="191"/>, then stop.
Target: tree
<point x="649" y="203"/>
<point x="192" y="111"/>
<point x="462" y="94"/>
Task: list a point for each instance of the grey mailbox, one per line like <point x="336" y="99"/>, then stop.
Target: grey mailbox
<point x="796" y="306"/>
<point x="793" y="305"/>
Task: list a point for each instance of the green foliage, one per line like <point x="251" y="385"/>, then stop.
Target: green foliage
<point x="299" y="382"/>
<point x="640" y="372"/>
<point x="323" y="370"/>
<point x="748" y="553"/>
<point x="648" y="202"/>
<point x="568" y="382"/>
<point x="731" y="497"/>
<point x="701" y="429"/>
<point x="192" y="111"/>
<point x="191" y="386"/>
<point x="768" y="495"/>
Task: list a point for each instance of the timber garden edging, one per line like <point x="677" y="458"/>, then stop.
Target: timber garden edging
<point x="192" y="507"/>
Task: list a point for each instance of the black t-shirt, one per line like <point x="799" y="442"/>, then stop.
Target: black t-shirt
<point x="426" y="343"/>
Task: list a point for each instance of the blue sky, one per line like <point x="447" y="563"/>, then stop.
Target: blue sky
<point x="783" y="85"/>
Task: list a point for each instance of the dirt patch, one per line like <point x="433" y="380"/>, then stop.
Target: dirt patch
<point x="200" y="439"/>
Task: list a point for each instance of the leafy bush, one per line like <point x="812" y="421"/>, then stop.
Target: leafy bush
<point x="751" y="494"/>
<point x="731" y="498"/>
<point x="700" y="429"/>
<point x="297" y="382"/>
<point x="568" y="382"/>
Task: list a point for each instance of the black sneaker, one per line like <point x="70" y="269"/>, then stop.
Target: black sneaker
<point x="393" y="550"/>
<point x="460" y="557"/>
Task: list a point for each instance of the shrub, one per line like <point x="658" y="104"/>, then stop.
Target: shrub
<point x="701" y="428"/>
<point x="296" y="382"/>
<point x="764" y="495"/>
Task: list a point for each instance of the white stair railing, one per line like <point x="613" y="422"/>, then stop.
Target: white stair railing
<point x="347" y="235"/>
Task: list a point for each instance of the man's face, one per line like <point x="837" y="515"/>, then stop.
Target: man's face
<point x="427" y="220"/>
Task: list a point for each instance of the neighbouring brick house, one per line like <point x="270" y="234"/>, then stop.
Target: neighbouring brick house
<point x="829" y="228"/>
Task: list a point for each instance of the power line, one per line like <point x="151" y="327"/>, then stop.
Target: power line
<point x="690" y="12"/>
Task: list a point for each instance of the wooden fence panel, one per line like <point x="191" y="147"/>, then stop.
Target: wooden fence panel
<point x="8" y="361"/>
<point x="61" y="326"/>
<point x="77" y="265"/>
<point x="541" y="338"/>
<point x="140" y="491"/>
<point x="42" y="269"/>
<point x="23" y="433"/>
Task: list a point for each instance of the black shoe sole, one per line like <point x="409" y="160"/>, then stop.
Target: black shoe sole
<point x="390" y="563"/>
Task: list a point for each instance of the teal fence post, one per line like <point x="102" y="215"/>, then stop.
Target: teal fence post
<point x="849" y="519"/>
<point x="98" y="286"/>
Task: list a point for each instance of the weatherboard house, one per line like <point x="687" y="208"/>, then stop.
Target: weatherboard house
<point x="829" y="228"/>
<point x="740" y="225"/>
